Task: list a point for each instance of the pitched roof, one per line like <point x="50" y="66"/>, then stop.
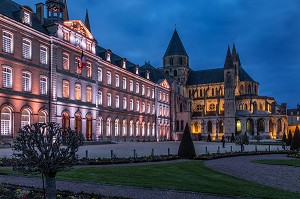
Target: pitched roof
<point x="214" y="76"/>
<point x="10" y="9"/>
<point x="155" y="75"/>
<point x="175" y="46"/>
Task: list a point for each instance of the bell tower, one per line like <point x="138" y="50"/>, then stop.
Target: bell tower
<point x="55" y="10"/>
<point x="176" y="60"/>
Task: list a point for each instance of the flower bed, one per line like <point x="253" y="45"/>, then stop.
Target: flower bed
<point x="20" y="192"/>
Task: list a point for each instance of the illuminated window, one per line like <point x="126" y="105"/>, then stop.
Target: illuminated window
<point x="77" y="65"/>
<point x="143" y="107"/>
<point x="124" y="103"/>
<point x="131" y="104"/>
<point x="25" y="118"/>
<point x="6" y="77"/>
<point x="66" y="35"/>
<point x="66" y="89"/>
<point x="43" y="85"/>
<point x="108" y="77"/>
<point x="143" y="89"/>
<point x="100" y="97"/>
<point x="89" y="69"/>
<point x="108" y="127"/>
<point x="152" y="94"/>
<point x="124" y="128"/>
<point x="160" y="95"/>
<point x="131" y="85"/>
<point x="148" y="92"/>
<point x="143" y="128"/>
<point x="164" y="97"/>
<point x="160" y="110"/>
<point x="43" y="55"/>
<point x="89" y="94"/>
<point x="99" y="74"/>
<point x="148" y="129"/>
<point x="26" y="81"/>
<point x="6" y="121"/>
<point x="137" y="106"/>
<point x="137" y="88"/>
<point x="238" y="126"/>
<point x="153" y="109"/>
<point x="148" y="108"/>
<point x="153" y="129"/>
<point x="137" y="129"/>
<point x="108" y="99"/>
<point x="66" y="63"/>
<point x="7" y="42"/>
<point x="117" y="101"/>
<point x="43" y="117"/>
<point x="26" y="18"/>
<point x="167" y="98"/>
<point x="117" y="81"/>
<point x="89" y="46"/>
<point x="131" y="128"/>
<point x="124" y="83"/>
<point x="77" y="92"/>
<point x="26" y="49"/>
<point x="212" y="107"/>
<point x="117" y="129"/>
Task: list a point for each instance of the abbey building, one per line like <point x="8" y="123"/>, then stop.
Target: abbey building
<point x="53" y="69"/>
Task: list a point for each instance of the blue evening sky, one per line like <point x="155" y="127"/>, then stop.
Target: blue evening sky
<point x="266" y="34"/>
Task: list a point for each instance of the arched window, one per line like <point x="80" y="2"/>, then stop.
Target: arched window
<point x="89" y="124"/>
<point x="65" y="120"/>
<point x="260" y="125"/>
<point x="43" y="117"/>
<point x="77" y="92"/>
<point x="180" y="60"/>
<point x="261" y="107"/>
<point x="124" y="128"/>
<point x="100" y="126"/>
<point x="26" y="49"/>
<point x="89" y="94"/>
<point x="78" y="123"/>
<point x="249" y="89"/>
<point x="245" y="107"/>
<point x="196" y="128"/>
<point x="131" y="128"/>
<point x="279" y="126"/>
<point x="238" y="126"/>
<point x="241" y="107"/>
<point x="143" y="128"/>
<point x="153" y="129"/>
<point x="117" y="128"/>
<point x="25" y="118"/>
<point x="249" y="126"/>
<point x="131" y="104"/>
<point x="242" y="91"/>
<point x="6" y="121"/>
<point x="171" y="61"/>
<point x="209" y="127"/>
<point x="148" y="129"/>
<point x="137" y="128"/>
<point x="108" y="127"/>
<point x="212" y="91"/>
<point x="26" y="81"/>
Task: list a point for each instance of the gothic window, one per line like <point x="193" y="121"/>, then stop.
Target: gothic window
<point x="242" y="91"/>
<point x="249" y="125"/>
<point x="245" y="107"/>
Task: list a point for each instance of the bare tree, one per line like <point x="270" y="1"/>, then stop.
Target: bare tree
<point x="46" y="149"/>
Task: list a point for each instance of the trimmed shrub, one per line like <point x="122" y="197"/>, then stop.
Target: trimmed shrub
<point x="186" y="147"/>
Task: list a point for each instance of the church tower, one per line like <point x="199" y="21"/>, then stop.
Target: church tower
<point x="176" y="60"/>
<point x="229" y="94"/>
<point x="236" y="64"/>
<point x="56" y="10"/>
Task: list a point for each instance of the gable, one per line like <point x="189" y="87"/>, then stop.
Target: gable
<point x="165" y="84"/>
<point x="79" y="27"/>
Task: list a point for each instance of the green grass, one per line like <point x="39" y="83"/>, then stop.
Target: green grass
<point x="185" y="176"/>
<point x="294" y="163"/>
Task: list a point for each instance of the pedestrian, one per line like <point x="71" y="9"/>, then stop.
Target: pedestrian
<point x="223" y="141"/>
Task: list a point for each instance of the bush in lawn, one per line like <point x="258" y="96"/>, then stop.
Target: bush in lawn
<point x="186" y="147"/>
<point x="296" y="140"/>
<point x="290" y="138"/>
<point x="46" y="149"/>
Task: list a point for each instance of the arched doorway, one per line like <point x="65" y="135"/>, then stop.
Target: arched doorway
<point x="89" y="122"/>
<point x="209" y="127"/>
<point x="6" y="121"/>
<point x="261" y="126"/>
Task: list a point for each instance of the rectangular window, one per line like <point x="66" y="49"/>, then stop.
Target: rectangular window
<point x="66" y="63"/>
<point x="26" y="81"/>
<point x="108" y="99"/>
<point x="99" y="74"/>
<point x="143" y="107"/>
<point x="153" y="109"/>
<point x="131" y="104"/>
<point x="137" y="106"/>
<point x="99" y="97"/>
<point x="43" y="55"/>
<point x="43" y="85"/>
<point x="143" y="89"/>
<point x="148" y="92"/>
<point x="117" y="101"/>
<point x="89" y="94"/>
<point x="77" y="65"/>
<point x="137" y="88"/>
<point x="131" y="85"/>
<point x="89" y="70"/>
<point x="124" y="83"/>
<point x="77" y="92"/>
<point x="26" y="18"/>
<point x="26" y="49"/>
<point x="66" y="35"/>
<point x="152" y="93"/>
<point x="108" y="77"/>
<point x="7" y="42"/>
<point x="124" y="103"/>
<point x="7" y="77"/>
<point x="148" y="108"/>
<point x="66" y="89"/>
<point x="89" y="46"/>
<point x="117" y="81"/>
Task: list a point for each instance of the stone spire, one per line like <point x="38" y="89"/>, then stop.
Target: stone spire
<point x="234" y="54"/>
<point x="66" y="12"/>
<point x="87" y="21"/>
<point x="175" y="46"/>
<point x="228" y="61"/>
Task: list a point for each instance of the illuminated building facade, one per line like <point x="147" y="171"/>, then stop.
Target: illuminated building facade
<point x="293" y="118"/>
<point x="43" y="79"/>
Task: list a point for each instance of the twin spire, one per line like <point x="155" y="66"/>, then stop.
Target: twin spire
<point x="231" y="58"/>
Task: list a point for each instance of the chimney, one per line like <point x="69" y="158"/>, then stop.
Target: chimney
<point x="40" y="11"/>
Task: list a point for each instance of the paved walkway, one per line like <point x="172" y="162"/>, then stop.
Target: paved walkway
<point x="278" y="176"/>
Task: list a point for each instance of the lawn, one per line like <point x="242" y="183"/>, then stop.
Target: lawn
<point x="185" y="176"/>
<point x="294" y="163"/>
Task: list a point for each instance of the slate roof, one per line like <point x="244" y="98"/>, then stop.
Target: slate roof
<point x="155" y="75"/>
<point x="10" y="9"/>
<point x="175" y="46"/>
<point x="214" y="76"/>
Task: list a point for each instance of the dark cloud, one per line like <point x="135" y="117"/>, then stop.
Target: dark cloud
<point x="266" y="34"/>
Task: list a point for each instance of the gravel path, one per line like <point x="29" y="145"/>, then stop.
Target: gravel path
<point x="278" y="176"/>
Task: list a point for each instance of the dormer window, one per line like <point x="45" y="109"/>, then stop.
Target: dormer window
<point x="137" y="70"/>
<point x="27" y="18"/>
<point x="124" y="63"/>
<point x="107" y="55"/>
<point x="147" y="74"/>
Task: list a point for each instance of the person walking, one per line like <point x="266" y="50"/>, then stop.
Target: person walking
<point x="223" y="141"/>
